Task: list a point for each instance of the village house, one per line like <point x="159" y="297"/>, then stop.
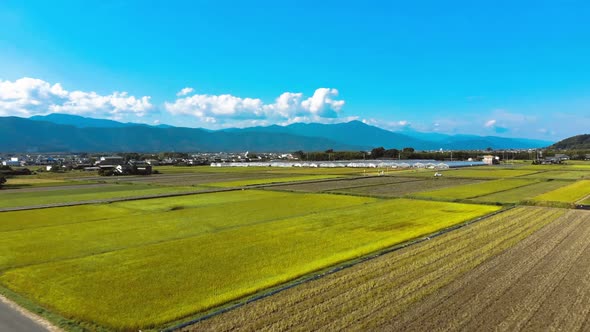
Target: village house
<point x="490" y="160"/>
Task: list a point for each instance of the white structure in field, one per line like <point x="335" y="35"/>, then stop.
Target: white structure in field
<point x="490" y="160"/>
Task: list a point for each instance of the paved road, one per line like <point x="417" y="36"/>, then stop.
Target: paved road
<point x="13" y="321"/>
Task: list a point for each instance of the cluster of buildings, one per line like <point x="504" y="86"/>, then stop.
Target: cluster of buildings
<point x="116" y="165"/>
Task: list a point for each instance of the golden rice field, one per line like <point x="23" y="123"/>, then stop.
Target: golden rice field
<point x="134" y="265"/>
<point x="568" y="194"/>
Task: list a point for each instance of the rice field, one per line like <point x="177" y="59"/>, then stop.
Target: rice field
<point x="520" y="194"/>
<point x="257" y="170"/>
<point x="147" y="264"/>
<point x="133" y="265"/>
<point x="483" y="172"/>
<point x="344" y="184"/>
<point x="252" y="182"/>
<point x="568" y="194"/>
<point x="473" y="190"/>
<point x="377" y="294"/>
<point x="560" y="175"/>
<point x="27" y="180"/>
<point x="9" y="199"/>
<point x="406" y="188"/>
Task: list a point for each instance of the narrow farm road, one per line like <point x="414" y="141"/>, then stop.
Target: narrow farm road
<point x="13" y="320"/>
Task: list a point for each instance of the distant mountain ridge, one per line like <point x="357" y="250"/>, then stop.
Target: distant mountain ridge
<point x="84" y="122"/>
<point x="578" y="142"/>
<point x="60" y="132"/>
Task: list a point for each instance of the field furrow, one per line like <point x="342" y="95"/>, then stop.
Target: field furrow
<point x="503" y="291"/>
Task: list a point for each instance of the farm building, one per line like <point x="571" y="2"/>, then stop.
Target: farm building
<point x="490" y="160"/>
<point x="561" y="156"/>
<point x="12" y="162"/>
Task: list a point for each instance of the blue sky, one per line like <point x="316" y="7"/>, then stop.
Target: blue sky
<point x="506" y="68"/>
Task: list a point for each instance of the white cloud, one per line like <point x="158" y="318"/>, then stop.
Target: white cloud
<point x="289" y="107"/>
<point x="389" y="125"/>
<point x="490" y="123"/>
<point x="185" y="92"/>
<point x="31" y="96"/>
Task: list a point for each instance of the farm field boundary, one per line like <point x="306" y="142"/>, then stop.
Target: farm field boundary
<point x="328" y="271"/>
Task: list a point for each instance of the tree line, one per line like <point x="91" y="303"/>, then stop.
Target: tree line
<point x="411" y="153"/>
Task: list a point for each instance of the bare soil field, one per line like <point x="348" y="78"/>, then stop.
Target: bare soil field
<point x="408" y="289"/>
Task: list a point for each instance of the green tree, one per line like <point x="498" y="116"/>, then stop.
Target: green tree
<point x="377" y="152"/>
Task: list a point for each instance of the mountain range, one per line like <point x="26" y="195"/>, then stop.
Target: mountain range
<point x="71" y="133"/>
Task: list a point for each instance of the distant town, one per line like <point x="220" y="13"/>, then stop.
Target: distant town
<point x="142" y="164"/>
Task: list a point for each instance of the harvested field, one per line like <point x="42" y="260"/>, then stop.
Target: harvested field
<point x="542" y="283"/>
<point x="474" y="190"/>
<point x="405" y="188"/>
<point x="520" y="194"/>
<point x="343" y="184"/>
<point x="376" y="294"/>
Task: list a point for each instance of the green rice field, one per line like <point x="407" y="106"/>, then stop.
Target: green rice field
<point x="482" y="172"/>
<point x="560" y="175"/>
<point x="133" y="265"/>
<point x="406" y="188"/>
<point x="78" y="194"/>
<point x="568" y="194"/>
<point x="344" y="184"/>
<point x="519" y="194"/>
<point x="251" y="182"/>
